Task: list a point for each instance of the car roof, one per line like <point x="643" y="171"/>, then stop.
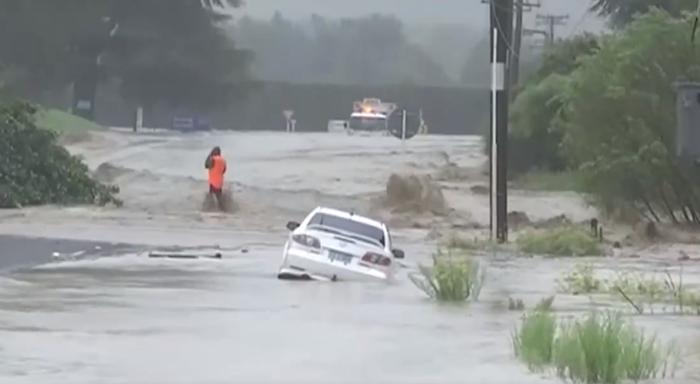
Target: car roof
<point x="350" y="216"/>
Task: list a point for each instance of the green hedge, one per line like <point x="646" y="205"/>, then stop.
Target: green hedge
<point x="35" y="170"/>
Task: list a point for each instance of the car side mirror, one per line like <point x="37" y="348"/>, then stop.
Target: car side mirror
<point x="398" y="254"/>
<point x="292" y="225"/>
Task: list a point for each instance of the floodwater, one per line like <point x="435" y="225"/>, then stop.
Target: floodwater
<point x="128" y="318"/>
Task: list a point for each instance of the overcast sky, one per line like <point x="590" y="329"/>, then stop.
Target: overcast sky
<point x="471" y="12"/>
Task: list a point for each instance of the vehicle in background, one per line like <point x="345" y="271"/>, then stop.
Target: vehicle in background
<point x="331" y="244"/>
<point x="371" y="115"/>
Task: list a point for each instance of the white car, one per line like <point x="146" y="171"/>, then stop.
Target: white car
<point x="336" y="245"/>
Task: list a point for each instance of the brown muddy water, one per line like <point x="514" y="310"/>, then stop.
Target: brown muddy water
<point x="127" y="318"/>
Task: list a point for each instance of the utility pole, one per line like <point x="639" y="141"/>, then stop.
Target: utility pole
<point x="501" y="41"/>
<point x="520" y="7"/>
<point x="551" y="21"/>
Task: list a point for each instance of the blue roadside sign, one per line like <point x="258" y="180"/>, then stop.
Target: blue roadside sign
<point x="190" y="123"/>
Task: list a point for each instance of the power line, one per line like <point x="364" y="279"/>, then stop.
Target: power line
<point x="527" y="7"/>
<point x="520" y="7"/>
<point x="551" y="21"/>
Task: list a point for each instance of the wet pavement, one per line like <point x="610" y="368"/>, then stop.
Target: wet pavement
<point x="21" y="251"/>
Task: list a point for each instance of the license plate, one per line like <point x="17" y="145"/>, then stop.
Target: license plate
<point x="340" y="257"/>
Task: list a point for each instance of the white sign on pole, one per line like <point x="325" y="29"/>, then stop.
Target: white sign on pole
<point x="403" y="127"/>
<point x="139" y="119"/>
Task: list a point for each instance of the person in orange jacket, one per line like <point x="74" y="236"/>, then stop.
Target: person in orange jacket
<point x="216" y="165"/>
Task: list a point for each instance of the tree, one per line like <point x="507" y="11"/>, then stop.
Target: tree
<point x="182" y="57"/>
<point x="621" y="12"/>
<point x="618" y="118"/>
<point x="564" y="56"/>
<point x="170" y="51"/>
<point x="38" y="40"/>
<point x="535" y="140"/>
<point x="368" y="50"/>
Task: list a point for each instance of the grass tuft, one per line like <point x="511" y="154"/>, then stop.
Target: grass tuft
<point x="606" y="349"/>
<point x="451" y="278"/>
<point x="645" y="293"/>
<point x="582" y="280"/>
<point x="545" y="304"/>
<point x="565" y="241"/>
<point x="601" y="349"/>
<point x="534" y="341"/>
<point x="515" y="304"/>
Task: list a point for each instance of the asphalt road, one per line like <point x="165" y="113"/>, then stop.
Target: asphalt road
<point x="17" y="252"/>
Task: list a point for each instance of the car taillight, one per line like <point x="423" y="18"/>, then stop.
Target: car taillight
<point x="375" y="258"/>
<point x="307" y="241"/>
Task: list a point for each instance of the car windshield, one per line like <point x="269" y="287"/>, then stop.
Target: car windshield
<point x="367" y="123"/>
<point x="363" y="232"/>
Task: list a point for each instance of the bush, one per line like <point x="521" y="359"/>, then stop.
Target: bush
<point x="534" y="143"/>
<point x="598" y="349"/>
<point x="618" y="116"/>
<point x="606" y="349"/>
<point x="535" y="140"/>
<point x="534" y="341"/>
<point x="641" y="291"/>
<point x="35" y="170"/>
<point x="582" y="280"/>
<point x="452" y="278"/>
<point x="566" y="241"/>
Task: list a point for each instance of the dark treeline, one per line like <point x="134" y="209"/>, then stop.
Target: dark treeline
<point x="193" y="56"/>
<point x="447" y="110"/>
<point x="159" y="51"/>
<point x="369" y="50"/>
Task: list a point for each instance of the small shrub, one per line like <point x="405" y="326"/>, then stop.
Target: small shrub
<point x="452" y="278"/>
<point x="545" y="304"/>
<point x="638" y="284"/>
<point x="533" y="343"/>
<point x="608" y="350"/>
<point x="566" y="241"/>
<point x="644" y="293"/>
<point x="515" y="304"/>
<point x="581" y="280"/>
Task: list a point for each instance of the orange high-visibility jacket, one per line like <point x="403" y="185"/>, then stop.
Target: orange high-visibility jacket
<point x="216" y="172"/>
